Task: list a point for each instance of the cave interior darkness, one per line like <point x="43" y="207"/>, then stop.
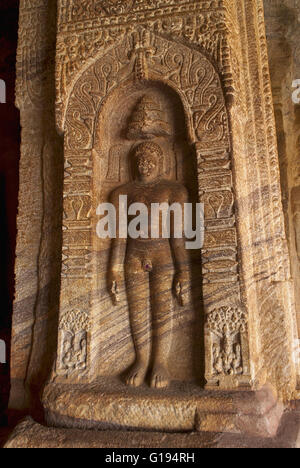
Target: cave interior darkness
<point x="9" y="160"/>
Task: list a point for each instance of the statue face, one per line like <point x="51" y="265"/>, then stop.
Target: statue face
<point x="147" y="165"/>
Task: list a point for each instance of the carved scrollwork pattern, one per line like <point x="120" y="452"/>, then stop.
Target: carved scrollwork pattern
<point x="182" y="68"/>
<point x="79" y="9"/>
<point x="85" y="29"/>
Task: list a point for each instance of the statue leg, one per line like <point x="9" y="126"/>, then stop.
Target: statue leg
<point x="137" y="285"/>
<point x="162" y="322"/>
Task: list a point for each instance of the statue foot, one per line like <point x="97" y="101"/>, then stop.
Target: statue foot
<point x="136" y="374"/>
<point x="160" y="377"/>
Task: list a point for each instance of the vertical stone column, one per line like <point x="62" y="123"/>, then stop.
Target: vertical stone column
<point x="226" y="320"/>
<point x="76" y="276"/>
<point x="283" y="36"/>
<point x="38" y="251"/>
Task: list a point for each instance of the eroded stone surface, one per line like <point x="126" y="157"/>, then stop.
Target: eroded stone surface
<point x="32" y="435"/>
<point x="38" y="252"/>
<point x="283" y="36"/>
<point x="182" y="407"/>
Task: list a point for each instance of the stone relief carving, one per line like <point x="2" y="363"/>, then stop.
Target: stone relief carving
<point x="206" y="29"/>
<point x="148" y="121"/>
<point x="226" y="324"/>
<point x="149" y="266"/>
<point x="92" y="57"/>
<point x="93" y="8"/>
<point x="73" y="328"/>
<point x="143" y="56"/>
<point x="178" y="65"/>
<point x="77" y="222"/>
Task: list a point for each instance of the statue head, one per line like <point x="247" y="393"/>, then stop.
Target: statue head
<point x="147" y="161"/>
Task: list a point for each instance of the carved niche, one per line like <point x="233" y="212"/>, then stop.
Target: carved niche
<point x="138" y="60"/>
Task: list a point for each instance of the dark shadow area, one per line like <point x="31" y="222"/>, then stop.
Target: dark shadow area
<point x="9" y="161"/>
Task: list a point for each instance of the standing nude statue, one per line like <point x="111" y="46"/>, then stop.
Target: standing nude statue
<point x="152" y="267"/>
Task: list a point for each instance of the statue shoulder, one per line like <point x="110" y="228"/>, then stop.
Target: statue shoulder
<point x="122" y="190"/>
<point x="179" y="191"/>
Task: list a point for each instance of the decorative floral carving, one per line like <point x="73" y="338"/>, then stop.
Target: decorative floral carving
<point x="206" y="29"/>
<point x="74" y="321"/>
<point x="86" y="8"/>
<point x="231" y="320"/>
<point x="227" y="323"/>
<point x="73" y="328"/>
<point x="91" y="8"/>
<point x="143" y="53"/>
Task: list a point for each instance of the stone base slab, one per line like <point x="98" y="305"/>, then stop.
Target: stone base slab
<point x="110" y="405"/>
<point x="29" y="434"/>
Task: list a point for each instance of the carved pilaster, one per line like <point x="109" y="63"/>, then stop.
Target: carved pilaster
<point x="220" y="269"/>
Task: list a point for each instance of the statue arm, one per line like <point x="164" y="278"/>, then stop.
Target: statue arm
<point x="181" y="280"/>
<point x="181" y="258"/>
<point x="117" y="255"/>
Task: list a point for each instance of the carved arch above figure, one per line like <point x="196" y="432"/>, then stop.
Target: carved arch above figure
<point x="139" y="59"/>
<point x="143" y="56"/>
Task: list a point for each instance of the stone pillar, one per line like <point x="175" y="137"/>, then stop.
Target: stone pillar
<point x="282" y="25"/>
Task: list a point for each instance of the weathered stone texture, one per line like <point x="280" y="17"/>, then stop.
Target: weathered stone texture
<point x="32" y="435"/>
<point x="283" y="36"/>
<point x="39" y="219"/>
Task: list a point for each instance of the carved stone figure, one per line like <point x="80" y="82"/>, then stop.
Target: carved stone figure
<point x="150" y="265"/>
